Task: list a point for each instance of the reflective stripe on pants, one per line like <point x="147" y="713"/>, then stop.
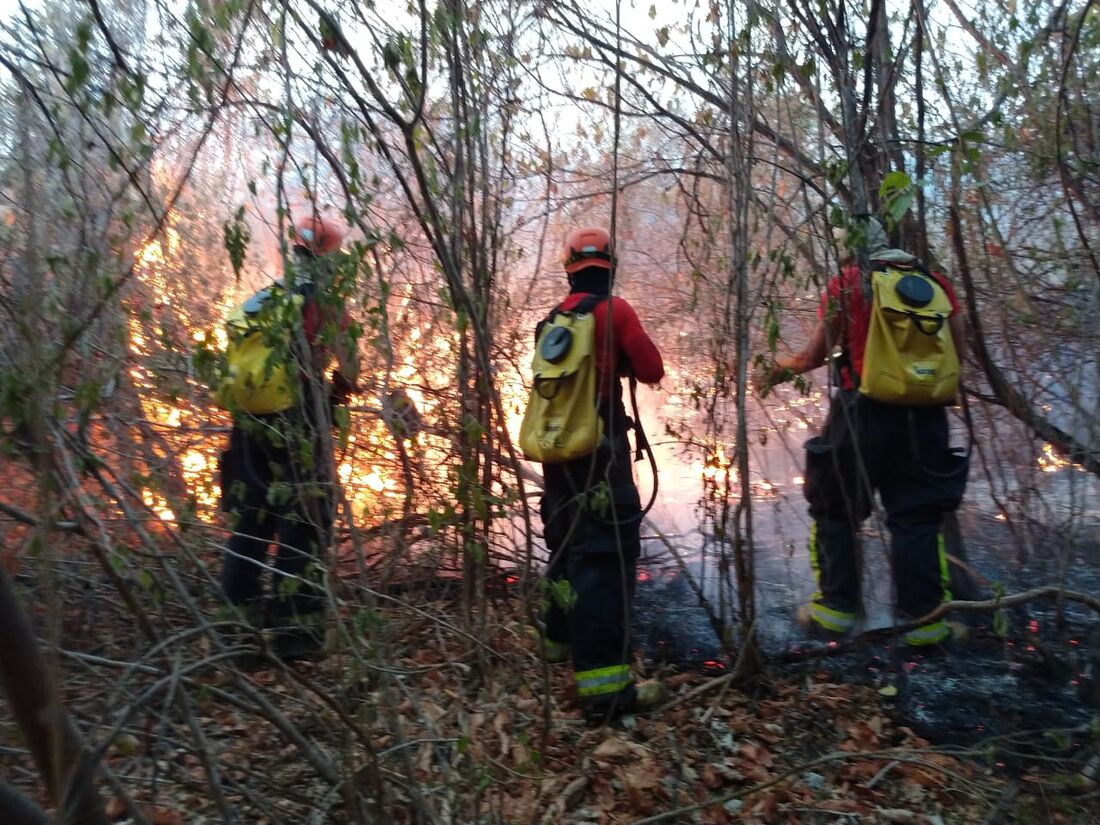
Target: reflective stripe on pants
<point x="837" y="621"/>
<point x="603" y="680"/>
<point x="929" y="634"/>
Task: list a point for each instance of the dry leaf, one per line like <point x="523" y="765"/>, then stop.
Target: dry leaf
<point x="710" y="777"/>
<point x="424" y="758"/>
<point x="643" y="787"/>
<point x="756" y="753"/>
<point x="616" y="750"/>
<point x="864" y="735"/>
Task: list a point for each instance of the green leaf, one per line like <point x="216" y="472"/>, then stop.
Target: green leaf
<point x="897" y="193"/>
<point x="236" y="238"/>
<point x="78" y="70"/>
<point x="652" y="12"/>
<point x="662" y="35"/>
<point x="893" y="182"/>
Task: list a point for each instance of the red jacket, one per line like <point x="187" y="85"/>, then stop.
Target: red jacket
<point x="629" y="346"/>
<point x="844" y="294"/>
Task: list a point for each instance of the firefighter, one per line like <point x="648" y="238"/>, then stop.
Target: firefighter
<point x="277" y="479"/>
<point x="866" y="445"/>
<point x="591" y="510"/>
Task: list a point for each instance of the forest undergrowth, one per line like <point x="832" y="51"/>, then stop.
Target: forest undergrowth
<point x="474" y="728"/>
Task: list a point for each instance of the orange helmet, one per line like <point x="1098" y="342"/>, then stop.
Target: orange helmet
<point x="317" y="235"/>
<point x="587" y="247"/>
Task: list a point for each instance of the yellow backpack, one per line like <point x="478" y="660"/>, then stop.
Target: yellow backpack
<point x="910" y="356"/>
<point x="258" y="379"/>
<point x="561" y="422"/>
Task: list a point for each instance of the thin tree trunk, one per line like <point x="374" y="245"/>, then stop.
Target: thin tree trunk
<point x="57" y="748"/>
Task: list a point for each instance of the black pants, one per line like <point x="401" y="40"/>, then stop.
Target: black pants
<point x="903" y="453"/>
<point x="274" y="485"/>
<point x="591" y="515"/>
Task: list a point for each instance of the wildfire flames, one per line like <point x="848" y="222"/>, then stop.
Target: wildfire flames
<point x="367" y="465"/>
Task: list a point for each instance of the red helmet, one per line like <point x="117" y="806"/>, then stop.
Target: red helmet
<point x="317" y="235"/>
<point x="587" y="247"/>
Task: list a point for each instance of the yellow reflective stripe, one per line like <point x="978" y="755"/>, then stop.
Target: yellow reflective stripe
<point x="603" y="680"/>
<point x="815" y="565"/>
<point x="838" y="621"/>
<point x="929" y="634"/>
<point x="945" y="571"/>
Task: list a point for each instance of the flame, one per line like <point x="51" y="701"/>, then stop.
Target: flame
<point x="158" y="505"/>
<point x="1050" y="461"/>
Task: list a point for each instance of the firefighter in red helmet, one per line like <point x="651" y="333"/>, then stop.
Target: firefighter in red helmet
<point x="269" y="489"/>
<point x="593" y="551"/>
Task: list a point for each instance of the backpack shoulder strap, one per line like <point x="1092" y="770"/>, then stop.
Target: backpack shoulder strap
<point x="307" y="289"/>
<point x="584" y="305"/>
<point x="589" y="303"/>
<point x="916" y="266"/>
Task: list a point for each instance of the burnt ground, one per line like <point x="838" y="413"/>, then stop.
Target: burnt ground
<point x="1026" y="684"/>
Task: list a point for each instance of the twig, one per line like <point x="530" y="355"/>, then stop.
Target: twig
<point x="878" y="777"/>
<point x="566" y="799"/>
<point x="23" y="517"/>
<point x="1003" y="804"/>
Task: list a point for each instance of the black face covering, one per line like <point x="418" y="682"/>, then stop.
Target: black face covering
<point x="593" y="280"/>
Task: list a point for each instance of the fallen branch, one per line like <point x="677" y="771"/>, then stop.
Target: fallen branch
<point x="23" y="517"/>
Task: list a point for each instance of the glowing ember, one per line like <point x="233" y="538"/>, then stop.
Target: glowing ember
<point x="717" y="467"/>
<point x="1051" y="462"/>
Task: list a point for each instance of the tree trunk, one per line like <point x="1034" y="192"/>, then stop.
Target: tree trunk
<point x="56" y="746"/>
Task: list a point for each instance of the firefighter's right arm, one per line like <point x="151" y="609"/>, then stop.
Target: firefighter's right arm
<point x="810" y="357"/>
<point x="347" y="359"/>
<point x="643" y="355"/>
